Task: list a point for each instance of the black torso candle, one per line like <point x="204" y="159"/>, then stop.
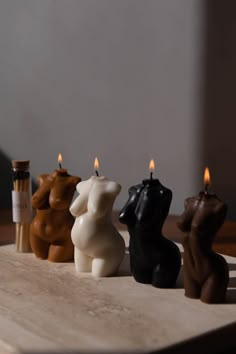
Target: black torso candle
<point x="153" y="258"/>
<point x="206" y="273"/>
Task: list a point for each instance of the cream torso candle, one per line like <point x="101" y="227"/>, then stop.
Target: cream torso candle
<point x="99" y="248"/>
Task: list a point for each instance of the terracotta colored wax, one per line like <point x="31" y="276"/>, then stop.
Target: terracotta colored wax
<point x="50" y="230"/>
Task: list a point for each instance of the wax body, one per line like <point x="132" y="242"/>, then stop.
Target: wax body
<point x="50" y="229"/>
<point x="206" y="273"/>
<point x="99" y="248"/>
<point x="153" y="258"/>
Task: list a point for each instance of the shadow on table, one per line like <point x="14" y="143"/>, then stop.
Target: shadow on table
<point x="180" y="279"/>
<point x="124" y="270"/>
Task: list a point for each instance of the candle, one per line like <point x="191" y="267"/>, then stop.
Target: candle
<point x="50" y="229"/>
<point x="99" y="248"/>
<point x="153" y="258"/>
<point x="206" y="273"/>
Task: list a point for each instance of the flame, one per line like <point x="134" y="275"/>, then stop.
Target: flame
<point x="152" y="166"/>
<point x="207" y="178"/>
<point x="59" y="159"/>
<point x="96" y="164"/>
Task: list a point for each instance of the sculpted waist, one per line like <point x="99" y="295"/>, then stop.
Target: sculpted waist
<point x="94" y="234"/>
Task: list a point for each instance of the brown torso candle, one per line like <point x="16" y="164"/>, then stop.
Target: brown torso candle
<point x="51" y="228"/>
<point x="206" y="273"/>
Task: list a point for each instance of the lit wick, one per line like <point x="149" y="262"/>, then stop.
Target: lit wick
<point x="206" y="188"/>
<point x="96" y="166"/>
<point x="59" y="161"/>
<point x="206" y="180"/>
<point x="151" y="168"/>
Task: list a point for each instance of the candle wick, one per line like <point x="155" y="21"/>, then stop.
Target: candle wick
<point x="60" y="165"/>
<point x="97" y="174"/>
<point x="151" y="173"/>
<point x="206" y="189"/>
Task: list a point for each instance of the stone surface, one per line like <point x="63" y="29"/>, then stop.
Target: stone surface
<point x="47" y="306"/>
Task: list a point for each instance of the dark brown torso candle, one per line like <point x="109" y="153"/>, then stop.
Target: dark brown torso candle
<point x="51" y="228"/>
<point x="153" y="258"/>
<point x="206" y="273"/>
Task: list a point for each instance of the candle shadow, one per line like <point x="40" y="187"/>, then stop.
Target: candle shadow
<point x="124" y="270"/>
<point x="180" y="279"/>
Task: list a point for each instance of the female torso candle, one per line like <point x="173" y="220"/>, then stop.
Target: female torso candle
<point x="50" y="230"/>
<point x="153" y="258"/>
<point x="206" y="273"/>
<point x="99" y="248"/>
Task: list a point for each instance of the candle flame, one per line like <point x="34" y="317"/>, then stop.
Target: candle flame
<point x="207" y="178"/>
<point x="59" y="159"/>
<point x="96" y="164"/>
<point x="152" y="165"/>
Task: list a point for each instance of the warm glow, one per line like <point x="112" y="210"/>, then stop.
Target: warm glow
<point x="59" y="158"/>
<point x="152" y="166"/>
<point x="207" y="179"/>
<point x="96" y="164"/>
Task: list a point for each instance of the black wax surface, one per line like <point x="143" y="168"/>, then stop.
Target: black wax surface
<point x="153" y="258"/>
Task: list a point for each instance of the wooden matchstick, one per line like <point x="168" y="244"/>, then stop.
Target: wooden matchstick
<point x="21" y="183"/>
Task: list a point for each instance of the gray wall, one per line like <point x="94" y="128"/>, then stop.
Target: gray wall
<point x="118" y="79"/>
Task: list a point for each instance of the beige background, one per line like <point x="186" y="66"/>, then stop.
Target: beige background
<point x="119" y="79"/>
